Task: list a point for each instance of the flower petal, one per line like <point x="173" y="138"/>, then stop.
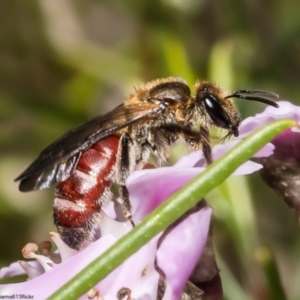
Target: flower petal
<point x="182" y="248"/>
<point x="12" y="270"/>
<point x="143" y="279"/>
<point x="149" y="188"/>
<point x="286" y="110"/>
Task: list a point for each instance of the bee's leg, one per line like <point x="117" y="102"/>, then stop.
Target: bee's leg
<point x="125" y="165"/>
<point x="195" y="139"/>
<point x="206" y="148"/>
<point x="124" y="194"/>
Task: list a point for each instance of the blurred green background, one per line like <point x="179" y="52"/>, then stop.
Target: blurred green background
<point x="63" y="62"/>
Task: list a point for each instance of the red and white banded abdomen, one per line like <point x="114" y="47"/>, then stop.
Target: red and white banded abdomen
<point x="79" y="198"/>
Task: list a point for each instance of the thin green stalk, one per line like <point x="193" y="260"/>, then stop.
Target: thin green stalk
<point x="169" y="211"/>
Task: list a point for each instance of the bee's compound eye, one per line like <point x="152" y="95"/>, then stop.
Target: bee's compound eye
<point x="216" y="112"/>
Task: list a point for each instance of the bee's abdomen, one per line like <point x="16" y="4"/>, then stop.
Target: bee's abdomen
<point x="79" y="198"/>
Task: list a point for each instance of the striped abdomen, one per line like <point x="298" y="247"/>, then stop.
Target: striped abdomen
<point x="79" y="198"/>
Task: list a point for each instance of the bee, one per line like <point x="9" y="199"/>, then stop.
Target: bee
<point x="150" y="120"/>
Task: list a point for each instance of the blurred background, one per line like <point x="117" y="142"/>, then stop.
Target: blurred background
<point x="63" y="62"/>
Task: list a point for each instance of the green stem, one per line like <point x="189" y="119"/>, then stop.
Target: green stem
<point x="170" y="210"/>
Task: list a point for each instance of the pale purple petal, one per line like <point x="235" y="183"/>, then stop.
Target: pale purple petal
<point x="45" y="262"/>
<point x="110" y="226"/>
<point x="286" y="110"/>
<point x="136" y="266"/>
<point x="248" y="167"/>
<point x="32" y="270"/>
<point x="12" y="270"/>
<point x="190" y="160"/>
<point x="64" y="250"/>
<point x="149" y="188"/>
<point x="182" y="248"/>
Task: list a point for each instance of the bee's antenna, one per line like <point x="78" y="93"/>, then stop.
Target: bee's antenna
<point x="255" y="95"/>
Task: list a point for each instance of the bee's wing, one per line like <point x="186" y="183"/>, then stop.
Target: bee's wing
<point x="58" y="160"/>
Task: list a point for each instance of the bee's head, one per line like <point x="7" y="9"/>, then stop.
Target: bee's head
<point x="221" y="109"/>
